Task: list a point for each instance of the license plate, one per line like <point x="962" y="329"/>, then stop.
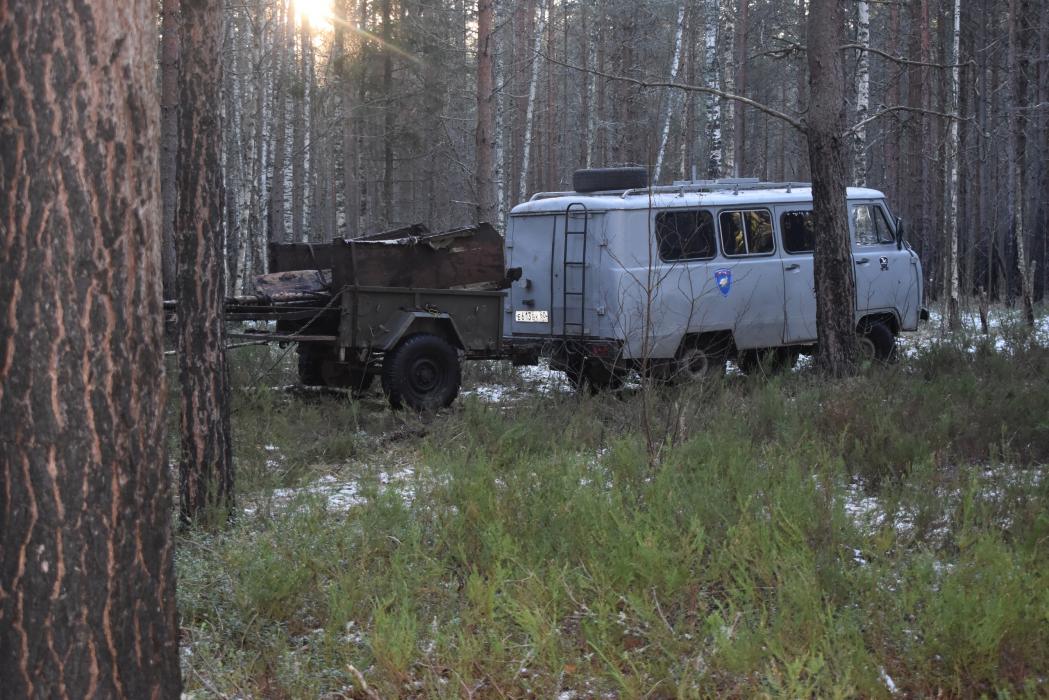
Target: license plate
<point x="532" y="316"/>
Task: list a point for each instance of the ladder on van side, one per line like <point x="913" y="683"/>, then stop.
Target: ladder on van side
<point x="576" y="221"/>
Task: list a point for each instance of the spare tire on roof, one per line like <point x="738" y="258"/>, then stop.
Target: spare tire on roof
<point x="599" y="179"/>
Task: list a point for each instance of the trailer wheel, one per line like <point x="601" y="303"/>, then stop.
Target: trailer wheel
<point x="422" y="372"/>
<point x="309" y="365"/>
<point x="345" y="376"/>
<point x="877" y="342"/>
<point x="766" y="362"/>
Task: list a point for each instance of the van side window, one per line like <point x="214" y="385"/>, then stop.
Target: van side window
<point x="685" y="235"/>
<point x="798" y="233"/>
<point x="746" y="232"/>
<point x="871" y="226"/>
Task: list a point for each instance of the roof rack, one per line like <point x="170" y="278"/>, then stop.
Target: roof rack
<point x="736" y="185"/>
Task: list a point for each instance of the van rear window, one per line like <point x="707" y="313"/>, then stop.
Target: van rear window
<point x="746" y="232"/>
<point x="685" y="235"/>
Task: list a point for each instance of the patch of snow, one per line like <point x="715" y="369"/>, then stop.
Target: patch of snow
<point x="887" y="680"/>
<point x="341" y="495"/>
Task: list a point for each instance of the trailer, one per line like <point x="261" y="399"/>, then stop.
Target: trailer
<point x="407" y="306"/>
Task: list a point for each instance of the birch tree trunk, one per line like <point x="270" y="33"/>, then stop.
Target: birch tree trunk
<point x="863" y="92"/>
<point x="727" y="48"/>
<point x="832" y="260"/>
<point x="712" y="68"/>
<point x="206" y="464"/>
<point x="540" y="28"/>
<point x="388" y="115"/>
<point x="952" y="190"/>
<point x="277" y="231"/>
<point x="1019" y="31"/>
<point x="299" y="95"/>
<point x="670" y="96"/>
<point x="500" y="126"/>
<point x="87" y="588"/>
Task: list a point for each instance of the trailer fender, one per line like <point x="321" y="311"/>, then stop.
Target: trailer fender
<point x="406" y="323"/>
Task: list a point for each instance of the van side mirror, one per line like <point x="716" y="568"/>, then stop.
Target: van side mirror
<point x="899" y="233"/>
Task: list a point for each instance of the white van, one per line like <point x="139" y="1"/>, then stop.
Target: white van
<point x="675" y="280"/>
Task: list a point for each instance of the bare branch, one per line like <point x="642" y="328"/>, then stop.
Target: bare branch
<point x="885" y="111"/>
<point x="903" y="61"/>
<point x="793" y="121"/>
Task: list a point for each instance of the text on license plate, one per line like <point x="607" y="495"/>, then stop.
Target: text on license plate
<point x="532" y="316"/>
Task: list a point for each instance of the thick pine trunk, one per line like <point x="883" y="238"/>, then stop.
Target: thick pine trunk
<point x="87" y="599"/>
<point x="832" y="261"/>
<point x="484" y="171"/>
<point x="206" y="464"/>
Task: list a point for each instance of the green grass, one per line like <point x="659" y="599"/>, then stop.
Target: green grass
<point x="782" y="538"/>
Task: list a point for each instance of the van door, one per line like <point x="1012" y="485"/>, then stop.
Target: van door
<point x="799" y="290"/>
<point x="530" y="245"/>
<point x="749" y="278"/>
<point x="885" y="279"/>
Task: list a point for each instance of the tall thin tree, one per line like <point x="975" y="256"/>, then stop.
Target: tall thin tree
<point x="206" y="464"/>
<point x="484" y="141"/>
<point x="87" y="598"/>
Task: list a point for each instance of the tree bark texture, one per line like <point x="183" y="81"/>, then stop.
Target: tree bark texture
<point x="87" y="605"/>
<point x="206" y="464"/>
<point x="169" y="69"/>
<point x="832" y="260"/>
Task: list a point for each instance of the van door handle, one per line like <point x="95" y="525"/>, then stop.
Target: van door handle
<point x="792" y="268"/>
<point x="862" y="261"/>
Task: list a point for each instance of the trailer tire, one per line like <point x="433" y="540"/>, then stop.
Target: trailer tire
<point x="600" y="179"/>
<point x="766" y="362"/>
<point x="422" y="372"/>
<point x="877" y="343"/>
<point x="309" y="365"/>
<point x="345" y="376"/>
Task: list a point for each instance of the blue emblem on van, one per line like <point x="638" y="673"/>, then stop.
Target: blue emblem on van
<point x="723" y="278"/>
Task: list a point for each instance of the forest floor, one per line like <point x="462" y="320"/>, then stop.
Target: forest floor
<point x="880" y="535"/>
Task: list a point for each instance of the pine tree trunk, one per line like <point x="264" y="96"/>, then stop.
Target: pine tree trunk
<point x="832" y="261"/>
<point x="484" y="171"/>
<point x="169" y="70"/>
<point x="87" y="598"/>
<point x="206" y="464"/>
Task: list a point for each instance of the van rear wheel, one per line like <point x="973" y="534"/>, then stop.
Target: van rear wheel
<point x="422" y="372"/>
